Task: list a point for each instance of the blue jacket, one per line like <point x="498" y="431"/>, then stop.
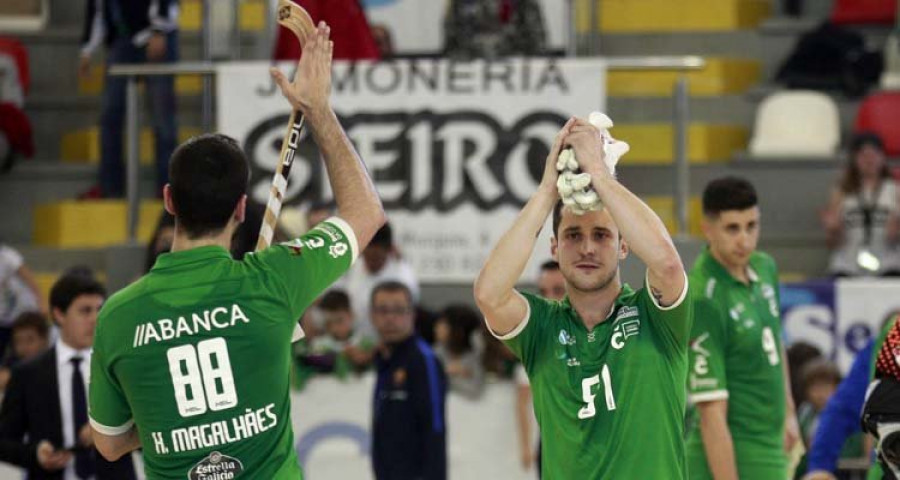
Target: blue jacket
<point x="840" y="418"/>
<point x="409" y="435"/>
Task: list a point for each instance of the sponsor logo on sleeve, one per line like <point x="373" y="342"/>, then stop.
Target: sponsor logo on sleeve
<point x="337" y="250"/>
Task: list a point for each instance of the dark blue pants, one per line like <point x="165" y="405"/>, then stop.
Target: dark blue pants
<point x="160" y="91"/>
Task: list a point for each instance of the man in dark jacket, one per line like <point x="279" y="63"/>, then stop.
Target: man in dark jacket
<point x="409" y="432"/>
<point x="134" y="31"/>
<point x="43" y="419"/>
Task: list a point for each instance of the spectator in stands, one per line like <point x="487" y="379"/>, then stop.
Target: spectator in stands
<point x="862" y="219"/>
<point x="16" y="135"/>
<point x="43" y="420"/>
<point x="30" y="337"/>
<point x="409" y="438"/>
<point x="820" y="379"/>
<point x="350" y="31"/>
<point x="381" y="262"/>
<point x="19" y="291"/>
<point x="343" y="348"/>
<point x="457" y="343"/>
<point x="799" y="355"/>
<point x="134" y="31"/>
<point x="383" y="40"/>
<point x="493" y="29"/>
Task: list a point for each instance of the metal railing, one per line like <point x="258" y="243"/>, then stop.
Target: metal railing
<point x="134" y="73"/>
<point x="680" y="119"/>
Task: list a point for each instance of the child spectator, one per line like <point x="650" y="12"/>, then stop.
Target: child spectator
<point x="820" y="379"/>
<point x="342" y="348"/>
<point x="455" y="332"/>
<point x="30" y="337"/>
<point x="19" y="291"/>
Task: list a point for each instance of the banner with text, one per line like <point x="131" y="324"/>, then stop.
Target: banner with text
<point x="837" y="317"/>
<point x="454" y="149"/>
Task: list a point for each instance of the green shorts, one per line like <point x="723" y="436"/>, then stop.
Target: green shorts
<point x="698" y="469"/>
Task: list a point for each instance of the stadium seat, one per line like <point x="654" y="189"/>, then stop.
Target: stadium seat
<point x="864" y="12"/>
<point x="637" y="16"/>
<point x="880" y="113"/>
<point x="890" y="78"/>
<point x="796" y="124"/>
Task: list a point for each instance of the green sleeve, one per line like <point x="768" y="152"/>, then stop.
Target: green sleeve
<point x="674" y="320"/>
<point x="308" y="265"/>
<point x="706" y="358"/>
<point x="110" y="413"/>
<point x="525" y="339"/>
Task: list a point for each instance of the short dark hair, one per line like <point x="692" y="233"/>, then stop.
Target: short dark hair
<point x="819" y="371"/>
<point x="391" y="286"/>
<point x="549" y="266"/>
<point x="335" y="301"/>
<point x="384" y="237"/>
<point x="557" y="216"/>
<point x="69" y="287"/>
<point x="462" y="321"/>
<point x="32" y="320"/>
<point x="728" y="193"/>
<point x="208" y="174"/>
<point x="862" y="139"/>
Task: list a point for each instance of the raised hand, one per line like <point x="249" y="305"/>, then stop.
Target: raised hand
<point x="550" y="176"/>
<point x="311" y="87"/>
<point x="587" y="141"/>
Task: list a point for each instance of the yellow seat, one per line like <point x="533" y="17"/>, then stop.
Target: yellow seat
<point x="636" y="16"/>
<point x="653" y="144"/>
<point x="83" y="146"/>
<point x="91" y="224"/>
<point x="252" y="15"/>
<point x="721" y="76"/>
<point x="92" y="83"/>
<point x="664" y="206"/>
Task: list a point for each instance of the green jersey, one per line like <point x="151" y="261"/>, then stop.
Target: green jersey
<point x="735" y="355"/>
<point x="610" y="401"/>
<point x="197" y="356"/>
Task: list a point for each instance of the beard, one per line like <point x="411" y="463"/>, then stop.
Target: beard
<point x="588" y="285"/>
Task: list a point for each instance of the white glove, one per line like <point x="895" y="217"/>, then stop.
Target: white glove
<point x="575" y="188"/>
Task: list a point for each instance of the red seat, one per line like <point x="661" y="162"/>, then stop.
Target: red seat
<point x="880" y="113"/>
<point x="864" y="11"/>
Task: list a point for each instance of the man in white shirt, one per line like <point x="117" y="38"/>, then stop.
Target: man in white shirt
<point x="44" y="419"/>
<point x="381" y="263"/>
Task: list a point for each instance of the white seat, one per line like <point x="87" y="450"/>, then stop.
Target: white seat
<point x="890" y="78"/>
<point x="796" y="124"/>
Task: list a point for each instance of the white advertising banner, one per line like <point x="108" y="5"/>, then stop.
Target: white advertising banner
<point x="454" y="149"/>
<point x="332" y="422"/>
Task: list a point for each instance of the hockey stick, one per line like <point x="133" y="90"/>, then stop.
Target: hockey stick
<point x="294" y="18"/>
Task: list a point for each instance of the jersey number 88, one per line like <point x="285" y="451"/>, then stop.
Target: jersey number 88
<point x="202" y="377"/>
